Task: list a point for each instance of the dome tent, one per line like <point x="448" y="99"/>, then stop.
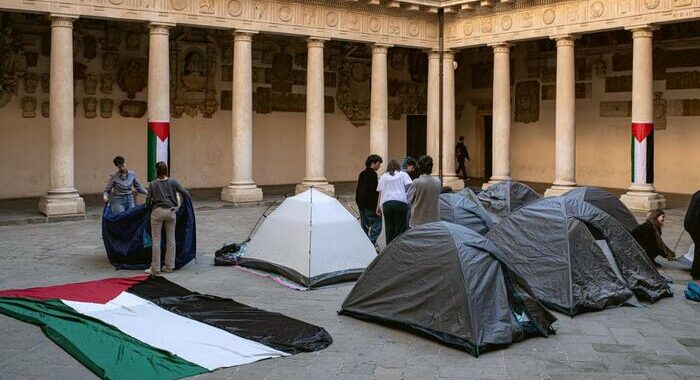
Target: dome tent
<point x="445" y="282"/>
<point x="459" y="209"/>
<point x="605" y="201"/>
<point x="576" y="257"/>
<point x="311" y="239"/>
<point x="505" y="197"/>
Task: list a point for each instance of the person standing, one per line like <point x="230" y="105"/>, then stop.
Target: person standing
<point x="366" y="197"/>
<point x="409" y="166"/>
<point x="691" y="223"/>
<point x="393" y="203"/>
<point x="423" y="194"/>
<point x="162" y="200"/>
<point x="119" y="189"/>
<point x="461" y="154"/>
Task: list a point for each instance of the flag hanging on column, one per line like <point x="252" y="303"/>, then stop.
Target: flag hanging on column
<point x="642" y="152"/>
<point x="158" y="145"/>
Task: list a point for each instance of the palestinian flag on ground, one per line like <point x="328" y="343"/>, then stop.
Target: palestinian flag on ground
<point x="150" y="328"/>
<point x="158" y="145"/>
<point x="642" y="152"/>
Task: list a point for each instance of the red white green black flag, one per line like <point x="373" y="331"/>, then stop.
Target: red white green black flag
<point x="158" y="145"/>
<point x="642" y="152"/>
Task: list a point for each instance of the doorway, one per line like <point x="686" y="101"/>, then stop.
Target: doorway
<point x="488" y="145"/>
<point x="416" y="135"/>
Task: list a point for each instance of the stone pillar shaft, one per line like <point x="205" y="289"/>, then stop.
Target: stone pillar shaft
<point x="501" y="113"/>
<point x="565" y="119"/>
<point x="159" y="72"/>
<point x="433" y="110"/>
<point x="379" y="111"/>
<point x="449" y="176"/>
<point x="242" y="188"/>
<point x="62" y="197"/>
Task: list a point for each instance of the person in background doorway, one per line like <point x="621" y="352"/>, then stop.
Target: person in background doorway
<point x="409" y="166"/>
<point x="366" y="197"/>
<point x="648" y="235"/>
<point x="423" y="194"/>
<point x="461" y="154"/>
<point x="692" y="225"/>
<point x="393" y="203"/>
<point x="119" y="189"/>
<point x="162" y="200"/>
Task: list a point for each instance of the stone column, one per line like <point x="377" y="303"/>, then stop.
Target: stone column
<point x="433" y="110"/>
<point x="242" y="188"/>
<point x="62" y="198"/>
<point x="501" y="114"/>
<point x="641" y="194"/>
<point x="315" y="124"/>
<point x="565" y="119"/>
<point x="379" y="113"/>
<point x="159" y="92"/>
<point x="449" y="176"/>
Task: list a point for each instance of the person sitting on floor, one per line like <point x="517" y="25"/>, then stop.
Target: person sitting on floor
<point x="648" y="235"/>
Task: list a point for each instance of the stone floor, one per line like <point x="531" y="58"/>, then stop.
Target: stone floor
<point x="661" y="341"/>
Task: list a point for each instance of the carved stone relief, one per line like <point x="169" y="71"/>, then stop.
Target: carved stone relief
<point x="600" y="68"/>
<point x="45" y="111"/>
<point x="28" y="107"/>
<point x="89" y="47"/>
<point x="106" y="82"/>
<point x="132" y="108"/>
<point x="90" y="108"/>
<point x="618" y="84"/>
<point x="621" y="108"/>
<point x="527" y="101"/>
<point x="31" y="81"/>
<point x="194" y="62"/>
<point x="45" y="86"/>
<point x="32" y="58"/>
<point x="106" y="106"/>
<point x="110" y="61"/>
<point x="90" y="84"/>
<point x="282" y="79"/>
<point x="133" y="76"/>
<point x="112" y="40"/>
<point x="682" y="80"/>
<point x="353" y="94"/>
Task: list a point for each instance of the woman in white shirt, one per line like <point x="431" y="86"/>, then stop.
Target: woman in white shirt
<point x="393" y="202"/>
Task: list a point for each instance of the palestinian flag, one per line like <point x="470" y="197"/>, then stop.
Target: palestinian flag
<point x="642" y="152"/>
<point x="150" y="328"/>
<point x="158" y="145"/>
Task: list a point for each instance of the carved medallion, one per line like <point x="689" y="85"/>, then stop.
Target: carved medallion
<point x="285" y="13"/>
<point x="375" y="24"/>
<point x="652" y="4"/>
<point x="624" y="6"/>
<point x="597" y="9"/>
<point x="332" y="19"/>
<point x="548" y="16"/>
<point x="394" y="28"/>
<point x="116" y="2"/>
<point x="681" y="3"/>
<point x="259" y="10"/>
<point x="506" y="22"/>
<point x="235" y="8"/>
<point x="353" y="21"/>
<point x="413" y="29"/>
<point x="178" y="5"/>
<point x="526" y="19"/>
<point x="572" y="12"/>
<point x="207" y="7"/>
<point x="308" y="16"/>
<point x="467" y="28"/>
<point x="486" y="25"/>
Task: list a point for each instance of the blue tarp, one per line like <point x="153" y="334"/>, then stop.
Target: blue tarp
<point x="127" y="237"/>
<point x="693" y="292"/>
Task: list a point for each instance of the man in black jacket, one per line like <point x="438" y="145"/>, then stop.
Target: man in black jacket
<point x="692" y="225"/>
<point x="366" y="197"/>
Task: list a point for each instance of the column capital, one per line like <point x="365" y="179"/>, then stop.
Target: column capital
<point x="243" y="35"/>
<point x="565" y="39"/>
<point x="448" y="54"/>
<point x="160" y="27"/>
<point x="642" y="31"/>
<point x="379" y="48"/>
<point x="62" y="21"/>
<point x="316" y="42"/>
<point x="433" y="54"/>
<point x="501" y="47"/>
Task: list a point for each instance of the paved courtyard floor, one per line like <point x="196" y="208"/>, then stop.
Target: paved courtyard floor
<point x="661" y="341"/>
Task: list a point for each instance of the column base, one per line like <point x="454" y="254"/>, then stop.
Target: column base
<point x="324" y="187"/>
<point x="453" y="182"/>
<point x="61" y="204"/>
<point x="241" y="194"/>
<point x="643" y="200"/>
<point x="493" y="181"/>
<point x="558" y="190"/>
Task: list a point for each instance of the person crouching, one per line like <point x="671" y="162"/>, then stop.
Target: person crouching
<point x="163" y="202"/>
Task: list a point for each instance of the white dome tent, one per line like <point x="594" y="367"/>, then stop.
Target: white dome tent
<point x="311" y="239"/>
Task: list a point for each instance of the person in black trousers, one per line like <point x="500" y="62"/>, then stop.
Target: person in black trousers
<point x="692" y="225"/>
<point x="366" y="197"/>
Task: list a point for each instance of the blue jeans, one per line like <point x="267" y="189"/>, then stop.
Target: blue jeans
<point x="121" y="203"/>
<point x="371" y="223"/>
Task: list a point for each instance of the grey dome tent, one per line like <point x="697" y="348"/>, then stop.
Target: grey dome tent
<point x="576" y="257"/>
<point x="458" y="209"/>
<point x="444" y="282"/>
<point x="607" y="202"/>
<point x="505" y="197"/>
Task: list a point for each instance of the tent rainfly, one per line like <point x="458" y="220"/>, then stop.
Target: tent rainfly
<point x="576" y="257"/>
<point x="445" y="282"/>
<point x="459" y="209"/>
<point x="311" y="239"/>
<point x="607" y="202"/>
<point x="505" y="197"/>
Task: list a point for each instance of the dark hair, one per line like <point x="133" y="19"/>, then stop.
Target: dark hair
<point x="161" y="169"/>
<point x="653" y="217"/>
<point x="372" y="158"/>
<point x="393" y="167"/>
<point x="446" y="189"/>
<point x="119" y="160"/>
<point x="425" y="165"/>
<point x="411" y="162"/>
<point x="461" y="138"/>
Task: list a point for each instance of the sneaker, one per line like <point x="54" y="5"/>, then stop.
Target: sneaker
<point x="151" y="272"/>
